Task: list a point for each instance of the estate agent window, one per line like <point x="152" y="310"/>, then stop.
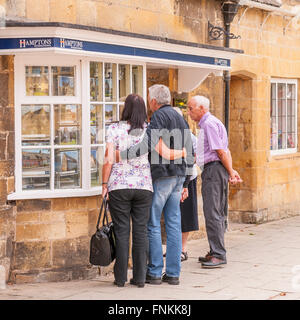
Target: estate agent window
<point x="283" y="116"/>
<point x="63" y="108"/>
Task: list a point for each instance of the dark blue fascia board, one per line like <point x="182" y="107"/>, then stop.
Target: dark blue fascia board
<point x="73" y="44"/>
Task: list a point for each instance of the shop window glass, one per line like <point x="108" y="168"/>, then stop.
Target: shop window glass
<point x="137" y="80"/>
<point x="124" y="81"/>
<point x="96" y="122"/>
<point x="37" y="81"/>
<point x="67" y="124"/>
<point x="67" y="168"/>
<point x="63" y="81"/>
<point x="97" y="157"/>
<point x="111" y="113"/>
<point x="35" y="125"/>
<point x="50" y="135"/>
<point x="36" y="169"/>
<point x="110" y="73"/>
<point x="96" y="81"/>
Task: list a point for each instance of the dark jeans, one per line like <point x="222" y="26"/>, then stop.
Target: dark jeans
<point x="215" y="204"/>
<point x="123" y="204"/>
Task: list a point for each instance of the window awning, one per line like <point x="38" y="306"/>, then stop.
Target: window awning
<point x="194" y="61"/>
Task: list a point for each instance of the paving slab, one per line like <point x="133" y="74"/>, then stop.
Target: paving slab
<point x="263" y="264"/>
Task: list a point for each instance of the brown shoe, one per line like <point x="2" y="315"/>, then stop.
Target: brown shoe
<point x="213" y="262"/>
<point x="206" y="258"/>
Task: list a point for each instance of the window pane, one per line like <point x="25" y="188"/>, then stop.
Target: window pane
<point x="273" y="108"/>
<point x="96" y="124"/>
<point x="67" y="124"/>
<point x="124" y="81"/>
<point x="96" y="81"/>
<point x="111" y="113"/>
<point x="291" y="141"/>
<point x="37" y="81"/>
<point x="110" y="72"/>
<point x="35" y="125"/>
<point x="97" y="156"/>
<point x="121" y="108"/>
<point x="291" y="88"/>
<point x="36" y="169"/>
<point x="281" y="91"/>
<point x="279" y="133"/>
<point x="67" y="168"/>
<point x="273" y="91"/>
<point x="273" y="134"/>
<point x="137" y="80"/>
<point x="63" y="81"/>
<point x="291" y="104"/>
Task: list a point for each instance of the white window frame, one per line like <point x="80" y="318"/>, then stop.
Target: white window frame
<point x="285" y="81"/>
<point x="82" y="97"/>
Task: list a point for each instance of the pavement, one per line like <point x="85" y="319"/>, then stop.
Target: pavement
<point x="263" y="264"/>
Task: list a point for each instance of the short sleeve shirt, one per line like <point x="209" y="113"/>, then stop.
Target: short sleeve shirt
<point x="213" y="137"/>
<point x="128" y="174"/>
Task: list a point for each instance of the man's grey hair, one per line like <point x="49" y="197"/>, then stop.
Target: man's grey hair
<point x="160" y="93"/>
<point x="201" y="101"/>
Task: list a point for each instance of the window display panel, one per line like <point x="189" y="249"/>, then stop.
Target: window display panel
<point x="111" y="113"/>
<point x="37" y="81"/>
<point x="67" y="168"/>
<point x="137" y="80"/>
<point x="110" y="73"/>
<point x="35" y="125"/>
<point x="35" y="169"/>
<point x="67" y="124"/>
<point x="97" y="158"/>
<point x="96" y="81"/>
<point x="63" y="81"/>
<point x="124" y="81"/>
<point x="96" y="122"/>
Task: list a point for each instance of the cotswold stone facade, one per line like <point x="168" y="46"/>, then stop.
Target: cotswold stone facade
<point x="271" y="182"/>
<point x="48" y="239"/>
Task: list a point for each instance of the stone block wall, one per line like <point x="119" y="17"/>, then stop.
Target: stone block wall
<point x="52" y="239"/>
<point x="182" y="20"/>
<point x="7" y="211"/>
<point x="271" y="184"/>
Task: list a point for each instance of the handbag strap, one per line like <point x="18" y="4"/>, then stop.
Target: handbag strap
<point x="103" y="205"/>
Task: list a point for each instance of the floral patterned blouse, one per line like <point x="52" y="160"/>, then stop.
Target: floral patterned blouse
<point x="128" y="174"/>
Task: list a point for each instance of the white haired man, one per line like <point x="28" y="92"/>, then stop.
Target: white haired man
<point x="213" y="153"/>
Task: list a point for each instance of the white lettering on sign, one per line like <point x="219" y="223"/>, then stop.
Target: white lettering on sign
<point x="35" y="43"/>
<point x="71" y="44"/>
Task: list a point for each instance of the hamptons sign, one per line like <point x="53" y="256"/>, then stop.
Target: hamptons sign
<point x="89" y="46"/>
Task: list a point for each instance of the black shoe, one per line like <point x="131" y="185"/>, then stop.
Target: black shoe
<point x="206" y="258"/>
<point x="119" y="284"/>
<point x="184" y="256"/>
<point x="138" y="284"/>
<point x="152" y="280"/>
<point x="213" y="262"/>
<point x="170" y="280"/>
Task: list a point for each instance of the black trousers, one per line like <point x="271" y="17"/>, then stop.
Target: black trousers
<point x="215" y="206"/>
<point x="123" y="205"/>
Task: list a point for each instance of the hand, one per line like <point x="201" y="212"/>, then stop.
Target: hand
<point x="117" y="156"/>
<point x="234" y="177"/>
<point x="184" y="153"/>
<point x="104" y="191"/>
<point x="184" y="194"/>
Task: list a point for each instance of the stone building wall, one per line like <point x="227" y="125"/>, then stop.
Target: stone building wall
<point x="271" y="183"/>
<point x="7" y="211"/>
<point x="52" y="239"/>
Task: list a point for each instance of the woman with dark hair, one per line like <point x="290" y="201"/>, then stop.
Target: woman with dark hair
<point x="129" y="188"/>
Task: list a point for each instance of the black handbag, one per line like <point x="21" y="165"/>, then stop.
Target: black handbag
<point x="102" y="244"/>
